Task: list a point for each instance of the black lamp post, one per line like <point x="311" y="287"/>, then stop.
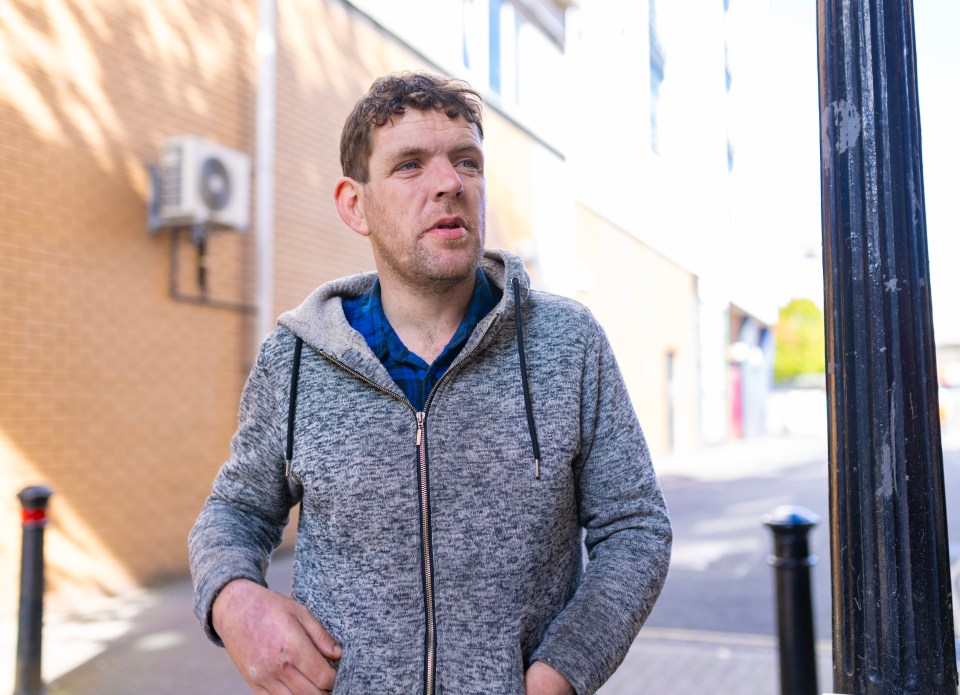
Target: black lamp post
<point x="892" y="617"/>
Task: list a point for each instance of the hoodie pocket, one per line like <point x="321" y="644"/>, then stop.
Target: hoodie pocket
<point x="471" y="671"/>
<point x="379" y="668"/>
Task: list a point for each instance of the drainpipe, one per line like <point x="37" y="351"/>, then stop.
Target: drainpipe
<point x="264" y="168"/>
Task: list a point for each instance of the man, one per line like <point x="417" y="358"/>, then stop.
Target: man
<point x="447" y="432"/>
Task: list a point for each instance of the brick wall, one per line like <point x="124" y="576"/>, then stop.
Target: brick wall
<point x="112" y="393"/>
<point x="116" y="396"/>
<point x="119" y="397"/>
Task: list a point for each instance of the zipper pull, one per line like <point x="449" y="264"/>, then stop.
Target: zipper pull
<point x="419" y="428"/>
<point x="536" y="468"/>
<point x="287" y="471"/>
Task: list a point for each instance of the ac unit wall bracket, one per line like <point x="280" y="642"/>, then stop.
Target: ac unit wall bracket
<point x="200" y="186"/>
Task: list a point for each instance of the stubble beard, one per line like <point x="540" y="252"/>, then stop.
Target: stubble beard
<point x="432" y="271"/>
<point x="424" y="261"/>
<point x="432" y="266"/>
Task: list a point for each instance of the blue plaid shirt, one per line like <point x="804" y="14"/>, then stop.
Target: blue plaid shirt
<point x="414" y="376"/>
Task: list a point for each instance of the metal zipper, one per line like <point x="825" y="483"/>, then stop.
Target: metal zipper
<point x="456" y="363"/>
<point x="430" y="665"/>
<point x="382" y="389"/>
<point x="430" y="658"/>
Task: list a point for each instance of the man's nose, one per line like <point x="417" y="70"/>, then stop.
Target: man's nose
<point x="448" y="181"/>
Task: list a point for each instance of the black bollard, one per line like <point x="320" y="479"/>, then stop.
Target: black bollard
<point x="792" y="562"/>
<point x="29" y="640"/>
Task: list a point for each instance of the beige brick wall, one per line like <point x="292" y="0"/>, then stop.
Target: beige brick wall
<point x="111" y="393"/>
<point x="124" y="400"/>
<point x="119" y="398"/>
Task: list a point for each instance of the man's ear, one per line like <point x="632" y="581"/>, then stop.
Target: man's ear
<point x="348" y="196"/>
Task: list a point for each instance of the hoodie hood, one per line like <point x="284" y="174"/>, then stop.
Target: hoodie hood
<point x="320" y="322"/>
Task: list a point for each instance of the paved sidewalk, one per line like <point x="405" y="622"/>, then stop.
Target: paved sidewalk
<point x="684" y="662"/>
<point x="148" y="642"/>
<point x="757" y="457"/>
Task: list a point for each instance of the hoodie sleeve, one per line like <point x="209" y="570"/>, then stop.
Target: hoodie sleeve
<point x="242" y="520"/>
<point x="628" y="535"/>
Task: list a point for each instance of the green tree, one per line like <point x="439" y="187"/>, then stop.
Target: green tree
<point x="799" y="341"/>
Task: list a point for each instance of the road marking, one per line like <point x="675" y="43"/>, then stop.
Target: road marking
<point x="729" y="639"/>
<point x="700" y="555"/>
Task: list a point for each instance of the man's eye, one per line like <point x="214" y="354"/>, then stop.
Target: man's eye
<point x="407" y="166"/>
<point x="469" y="163"/>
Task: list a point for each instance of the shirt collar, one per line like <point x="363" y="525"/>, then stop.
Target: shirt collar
<point x="481" y="303"/>
<point x="384" y="341"/>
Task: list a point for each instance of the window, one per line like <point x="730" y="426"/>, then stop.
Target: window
<point x="657" y="61"/>
<point x="514" y="48"/>
<point x="510" y="48"/>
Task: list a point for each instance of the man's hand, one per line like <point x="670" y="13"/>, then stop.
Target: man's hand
<point x="542" y="679"/>
<point x="278" y="646"/>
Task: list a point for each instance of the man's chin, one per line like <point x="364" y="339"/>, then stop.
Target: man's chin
<point x="453" y="261"/>
<point x="448" y="275"/>
<point x="449" y="279"/>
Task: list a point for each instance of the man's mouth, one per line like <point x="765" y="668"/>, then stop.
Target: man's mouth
<point x="448" y="228"/>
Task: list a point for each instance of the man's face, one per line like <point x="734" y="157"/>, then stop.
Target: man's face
<point x="425" y="202"/>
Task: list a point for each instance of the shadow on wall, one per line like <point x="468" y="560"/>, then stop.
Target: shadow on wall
<point x="119" y="399"/>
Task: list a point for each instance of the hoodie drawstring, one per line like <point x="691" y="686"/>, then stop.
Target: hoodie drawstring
<point x="527" y="401"/>
<point x="294" y="382"/>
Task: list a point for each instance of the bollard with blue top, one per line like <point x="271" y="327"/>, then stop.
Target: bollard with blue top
<point x="792" y="562"/>
<point x="28" y="675"/>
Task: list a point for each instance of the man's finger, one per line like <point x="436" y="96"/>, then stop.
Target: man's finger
<point x="297" y="683"/>
<point x="314" y="666"/>
<point x="322" y="639"/>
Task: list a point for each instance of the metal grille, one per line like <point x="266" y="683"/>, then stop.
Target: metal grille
<point x="171" y="178"/>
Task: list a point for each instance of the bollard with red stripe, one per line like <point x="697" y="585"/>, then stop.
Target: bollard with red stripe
<point x="29" y="680"/>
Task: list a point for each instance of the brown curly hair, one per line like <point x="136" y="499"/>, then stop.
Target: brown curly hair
<point x="391" y="95"/>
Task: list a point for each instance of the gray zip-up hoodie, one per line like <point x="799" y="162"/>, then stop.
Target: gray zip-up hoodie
<point x="427" y="544"/>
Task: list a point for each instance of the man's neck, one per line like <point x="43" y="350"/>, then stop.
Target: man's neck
<point x="425" y="320"/>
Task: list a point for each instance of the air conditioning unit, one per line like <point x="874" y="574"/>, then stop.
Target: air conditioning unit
<point x="201" y="183"/>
